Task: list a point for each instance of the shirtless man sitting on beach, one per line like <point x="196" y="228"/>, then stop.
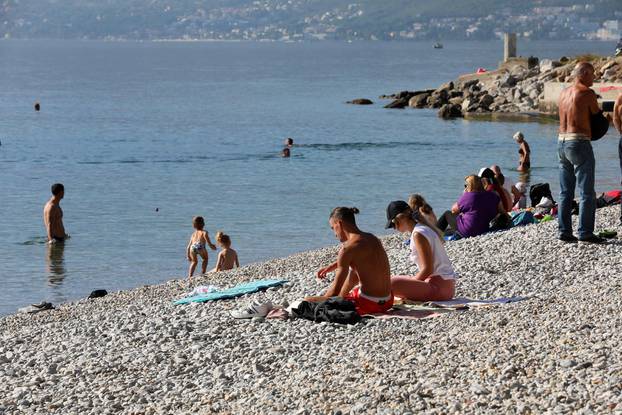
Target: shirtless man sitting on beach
<point x="53" y="215"/>
<point x="362" y="272"/>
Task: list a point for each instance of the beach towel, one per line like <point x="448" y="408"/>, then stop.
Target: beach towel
<point x="405" y="313"/>
<point x="461" y="302"/>
<point x="523" y="218"/>
<point x="237" y="291"/>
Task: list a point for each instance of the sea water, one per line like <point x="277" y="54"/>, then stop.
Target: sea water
<point x="146" y="135"/>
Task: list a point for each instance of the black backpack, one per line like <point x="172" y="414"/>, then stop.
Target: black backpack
<point x="538" y="191"/>
<point x="599" y="125"/>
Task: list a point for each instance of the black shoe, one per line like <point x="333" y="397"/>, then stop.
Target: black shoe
<point x="567" y="238"/>
<point x="593" y="239"/>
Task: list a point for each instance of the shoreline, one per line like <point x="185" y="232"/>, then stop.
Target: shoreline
<point x="135" y="352"/>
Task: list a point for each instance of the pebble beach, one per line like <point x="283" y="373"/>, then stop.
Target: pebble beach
<point x="134" y="352"/>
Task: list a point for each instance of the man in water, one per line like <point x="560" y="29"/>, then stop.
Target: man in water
<point x="362" y="272"/>
<point x="576" y="104"/>
<point x="617" y="121"/>
<point x="285" y="152"/>
<point x="53" y="215"/>
<point x="289" y="142"/>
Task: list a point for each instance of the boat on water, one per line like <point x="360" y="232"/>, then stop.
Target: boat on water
<point x="438" y="45"/>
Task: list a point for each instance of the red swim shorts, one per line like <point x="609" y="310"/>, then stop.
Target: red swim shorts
<point x="369" y="305"/>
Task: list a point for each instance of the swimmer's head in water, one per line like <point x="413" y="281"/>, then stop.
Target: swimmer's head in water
<point x="58" y="189"/>
<point x="285" y="152"/>
<point x="289" y="141"/>
<point x="198" y="223"/>
<point x="340" y="217"/>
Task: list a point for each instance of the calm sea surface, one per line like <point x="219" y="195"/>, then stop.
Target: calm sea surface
<point x="146" y="135"/>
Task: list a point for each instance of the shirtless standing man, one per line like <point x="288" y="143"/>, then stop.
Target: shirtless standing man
<point x="576" y="159"/>
<point x="617" y="121"/>
<point x="362" y="273"/>
<point x="53" y="215"/>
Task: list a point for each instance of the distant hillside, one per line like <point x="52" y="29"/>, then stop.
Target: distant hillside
<point x="300" y="19"/>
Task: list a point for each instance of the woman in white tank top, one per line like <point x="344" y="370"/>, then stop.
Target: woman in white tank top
<point x="436" y="279"/>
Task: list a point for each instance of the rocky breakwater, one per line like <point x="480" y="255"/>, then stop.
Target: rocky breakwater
<point x="516" y="87"/>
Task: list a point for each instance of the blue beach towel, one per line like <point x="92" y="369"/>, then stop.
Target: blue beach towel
<point x="237" y="291"/>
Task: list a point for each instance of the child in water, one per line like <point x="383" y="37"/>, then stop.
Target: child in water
<point x="196" y="246"/>
<point x="227" y="258"/>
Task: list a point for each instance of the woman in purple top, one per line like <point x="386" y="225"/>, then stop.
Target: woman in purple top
<point x="472" y="213"/>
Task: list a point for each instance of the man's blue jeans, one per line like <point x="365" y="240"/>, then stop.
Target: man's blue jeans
<point x="576" y="167"/>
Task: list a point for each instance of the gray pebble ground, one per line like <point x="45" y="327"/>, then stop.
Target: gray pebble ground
<point x="135" y="352"/>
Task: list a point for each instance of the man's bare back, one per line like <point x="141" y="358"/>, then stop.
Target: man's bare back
<point x="576" y="104"/>
<point x="365" y="255"/>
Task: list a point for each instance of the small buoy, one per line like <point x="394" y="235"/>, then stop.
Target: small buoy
<point x="37" y="106"/>
<point x="157" y="209"/>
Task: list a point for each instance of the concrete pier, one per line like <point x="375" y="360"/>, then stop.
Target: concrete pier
<point x="607" y="91"/>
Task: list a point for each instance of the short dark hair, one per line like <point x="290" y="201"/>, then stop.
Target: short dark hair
<point x="198" y="222"/>
<point x="345" y="214"/>
<point x="57" y="188"/>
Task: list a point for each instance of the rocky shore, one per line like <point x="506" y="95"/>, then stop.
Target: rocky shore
<point x="516" y="87"/>
<point x="135" y="352"/>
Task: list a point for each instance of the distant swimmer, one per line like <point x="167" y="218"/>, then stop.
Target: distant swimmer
<point x="285" y="152"/>
<point x="37" y="106"/>
<point x="53" y="216"/>
<point x="289" y="142"/>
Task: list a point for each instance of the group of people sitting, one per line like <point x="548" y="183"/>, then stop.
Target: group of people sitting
<point x="362" y="271"/>
<point x="487" y="199"/>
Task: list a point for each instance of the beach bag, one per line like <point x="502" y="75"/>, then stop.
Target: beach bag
<point x="599" y="125"/>
<point x="523" y="218"/>
<point x="538" y="191"/>
<point x="501" y="222"/>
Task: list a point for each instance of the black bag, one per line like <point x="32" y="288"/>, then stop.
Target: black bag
<point x="599" y="125"/>
<point x="538" y="191"/>
<point x="98" y="293"/>
<point x="500" y="222"/>
<point x="333" y="310"/>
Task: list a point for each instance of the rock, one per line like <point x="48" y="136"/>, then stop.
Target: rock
<point x="399" y="103"/>
<point x="448" y="111"/>
<point x="508" y="81"/>
<point x="418" y="101"/>
<point x="456" y="101"/>
<point x="448" y="86"/>
<point x="548" y="65"/>
<point x="438" y="98"/>
<point x="361" y="101"/>
<point x="468" y="84"/>
<point x="486" y="100"/>
<point x="479" y="389"/>
<point x="532" y="62"/>
<point x="466" y="104"/>
<point x="455" y="94"/>
<point x="608" y="65"/>
<point x="566" y="363"/>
